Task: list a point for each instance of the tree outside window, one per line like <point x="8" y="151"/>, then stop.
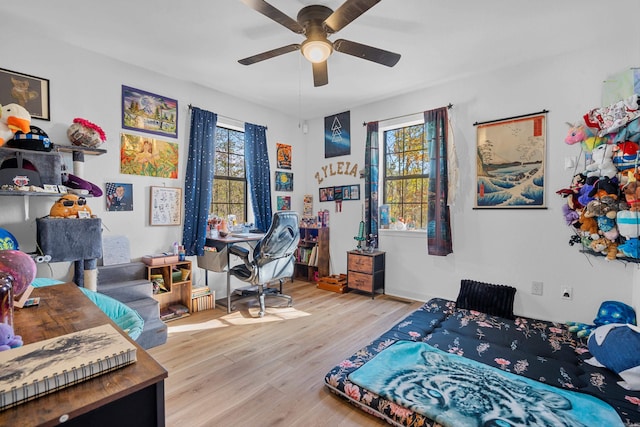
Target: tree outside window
<point x="406" y="175"/>
<point x="229" y="182"/>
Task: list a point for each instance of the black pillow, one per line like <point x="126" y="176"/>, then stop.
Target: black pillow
<point x="495" y="300"/>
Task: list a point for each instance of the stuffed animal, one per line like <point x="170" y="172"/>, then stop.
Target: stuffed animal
<point x="606" y="247"/>
<point x="70" y="206"/>
<point x="588" y="226"/>
<point x="584" y="194"/>
<point x="632" y="195"/>
<point x="629" y="249"/>
<point x="626" y="156"/>
<point x="607" y="206"/>
<point x="611" y="118"/>
<point x="580" y="133"/>
<point x="13" y="117"/>
<point x="602" y="164"/>
<point x="628" y="223"/>
<point x="571" y="216"/>
<point x="8" y="339"/>
<point x="609" y="312"/>
<point x="630" y="132"/>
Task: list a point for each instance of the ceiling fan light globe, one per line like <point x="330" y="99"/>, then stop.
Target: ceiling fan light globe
<point x="316" y="50"/>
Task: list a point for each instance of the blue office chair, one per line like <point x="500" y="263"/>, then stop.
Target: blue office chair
<point x="271" y="260"/>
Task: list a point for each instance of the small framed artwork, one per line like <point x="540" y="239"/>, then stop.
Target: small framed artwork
<point x="284" y="181"/>
<point x="284" y="203"/>
<point x="354" y="192"/>
<point x="30" y="92"/>
<point x="337" y="193"/>
<point x="147" y="112"/>
<point x="165" y="206"/>
<point x="346" y="192"/>
<point x="119" y="196"/>
<point x="326" y="194"/>
<point x="284" y="156"/>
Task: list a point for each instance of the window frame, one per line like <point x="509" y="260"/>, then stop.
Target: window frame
<point x="229" y="127"/>
<point x="390" y="125"/>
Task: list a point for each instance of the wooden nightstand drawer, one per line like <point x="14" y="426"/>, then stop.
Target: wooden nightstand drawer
<point x="362" y="263"/>
<point x="359" y="281"/>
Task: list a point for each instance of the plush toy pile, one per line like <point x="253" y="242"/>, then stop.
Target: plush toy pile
<point x="603" y="200"/>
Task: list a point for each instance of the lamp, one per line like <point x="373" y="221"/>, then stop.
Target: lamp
<point x="317" y="50"/>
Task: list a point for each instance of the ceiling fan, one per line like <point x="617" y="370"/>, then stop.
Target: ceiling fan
<point x="316" y="22"/>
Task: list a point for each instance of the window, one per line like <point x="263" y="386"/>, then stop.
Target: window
<point x="229" y="182"/>
<point x="406" y="175"/>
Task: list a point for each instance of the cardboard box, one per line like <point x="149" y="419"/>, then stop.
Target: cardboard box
<point x="159" y="259"/>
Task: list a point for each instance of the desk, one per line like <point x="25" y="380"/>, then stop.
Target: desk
<point x="224" y="242"/>
<point x="129" y="396"/>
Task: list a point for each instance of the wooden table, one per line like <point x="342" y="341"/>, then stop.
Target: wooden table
<point x="130" y="396"/>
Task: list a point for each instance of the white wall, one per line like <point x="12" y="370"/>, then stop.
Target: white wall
<point x="89" y="86"/>
<point x="513" y="247"/>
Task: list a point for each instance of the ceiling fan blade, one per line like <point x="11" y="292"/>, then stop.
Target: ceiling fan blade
<point x="320" y="73"/>
<point x="347" y="13"/>
<point x="269" y="54"/>
<point x="369" y="53"/>
<point x="272" y="13"/>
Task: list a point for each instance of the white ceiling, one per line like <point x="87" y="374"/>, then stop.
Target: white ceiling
<point x="201" y="40"/>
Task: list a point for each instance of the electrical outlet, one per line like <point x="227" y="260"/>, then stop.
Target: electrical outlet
<point x="536" y="288"/>
<point x="567" y="292"/>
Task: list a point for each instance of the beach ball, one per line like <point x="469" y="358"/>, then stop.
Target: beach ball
<point x="20" y="266"/>
<point x="7" y="241"/>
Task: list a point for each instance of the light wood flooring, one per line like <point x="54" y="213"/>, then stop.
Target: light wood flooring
<point x="239" y="370"/>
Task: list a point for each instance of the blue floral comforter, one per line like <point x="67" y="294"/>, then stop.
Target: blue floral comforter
<point x="542" y="351"/>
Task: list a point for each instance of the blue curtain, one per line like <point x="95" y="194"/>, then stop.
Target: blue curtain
<point x="199" y="180"/>
<point x="371" y="162"/>
<point x="258" y="173"/>
<point x="439" y="240"/>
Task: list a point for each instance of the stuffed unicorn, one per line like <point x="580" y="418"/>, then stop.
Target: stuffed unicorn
<point x="580" y="133"/>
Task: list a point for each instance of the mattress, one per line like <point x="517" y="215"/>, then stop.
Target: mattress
<point x="534" y="352"/>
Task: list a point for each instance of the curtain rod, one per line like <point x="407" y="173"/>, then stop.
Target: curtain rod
<point x="450" y="106"/>
<point x="230" y="118"/>
<point x="511" y="118"/>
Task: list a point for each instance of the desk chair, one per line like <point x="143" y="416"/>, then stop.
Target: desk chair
<point x="272" y="258"/>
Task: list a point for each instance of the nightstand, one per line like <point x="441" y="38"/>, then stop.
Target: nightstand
<point x="365" y="271"/>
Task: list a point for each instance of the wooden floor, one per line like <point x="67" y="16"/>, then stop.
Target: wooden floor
<point x="239" y="370"/>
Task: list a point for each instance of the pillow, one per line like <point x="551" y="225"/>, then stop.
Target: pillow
<point x="495" y="300"/>
<point x="616" y="347"/>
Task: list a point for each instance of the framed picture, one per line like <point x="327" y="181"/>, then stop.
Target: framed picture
<point x="284" y="203"/>
<point x="337" y="193"/>
<point x="148" y="112"/>
<point x="346" y="192"/>
<point x="326" y="194"/>
<point x="119" y="196"/>
<point x="284" y="181"/>
<point x="31" y="92"/>
<point x="165" y="206"/>
<point x="283" y="156"/>
<point x="148" y="156"/>
<point x="337" y="135"/>
<point x="510" y="162"/>
<point x="354" y="192"/>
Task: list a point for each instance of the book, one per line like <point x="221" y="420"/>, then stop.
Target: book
<point x="313" y="257"/>
<point x="43" y="367"/>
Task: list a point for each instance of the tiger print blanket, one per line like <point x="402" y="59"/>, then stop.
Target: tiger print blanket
<point x="456" y="391"/>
